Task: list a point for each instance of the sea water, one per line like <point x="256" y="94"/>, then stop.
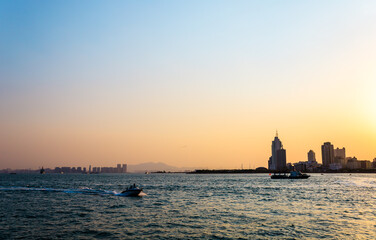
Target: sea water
<point x="183" y="206"/>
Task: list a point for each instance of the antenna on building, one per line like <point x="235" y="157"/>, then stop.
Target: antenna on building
<point x="276" y="133"/>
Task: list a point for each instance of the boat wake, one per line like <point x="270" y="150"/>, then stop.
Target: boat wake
<point x="84" y="190"/>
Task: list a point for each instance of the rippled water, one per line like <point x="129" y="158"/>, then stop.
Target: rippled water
<point x="244" y="206"/>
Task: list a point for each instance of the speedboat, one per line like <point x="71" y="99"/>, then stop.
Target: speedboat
<point x="131" y="191"/>
<point x="293" y="175"/>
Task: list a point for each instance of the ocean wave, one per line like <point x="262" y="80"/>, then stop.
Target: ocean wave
<point x="358" y="182"/>
<point x="83" y="190"/>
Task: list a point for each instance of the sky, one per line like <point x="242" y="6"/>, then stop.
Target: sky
<point x="198" y="84"/>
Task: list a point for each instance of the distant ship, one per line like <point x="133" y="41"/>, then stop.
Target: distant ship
<point x="293" y="175"/>
<point x="42" y="171"/>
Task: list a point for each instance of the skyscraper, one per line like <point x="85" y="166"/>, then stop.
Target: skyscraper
<point x="311" y="156"/>
<point x="278" y="158"/>
<point x="327" y="151"/>
<point x="281" y="159"/>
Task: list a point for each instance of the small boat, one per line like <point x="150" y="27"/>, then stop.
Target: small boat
<point x="131" y="191"/>
<point x="293" y="175"/>
<point x="42" y="171"/>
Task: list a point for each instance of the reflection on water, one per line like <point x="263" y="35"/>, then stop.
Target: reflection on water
<point x="183" y="206"/>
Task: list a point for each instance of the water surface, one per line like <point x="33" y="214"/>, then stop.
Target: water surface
<point x="218" y="206"/>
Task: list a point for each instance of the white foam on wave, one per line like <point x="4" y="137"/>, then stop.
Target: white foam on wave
<point x="82" y="190"/>
<point x="120" y="194"/>
<point x="358" y="182"/>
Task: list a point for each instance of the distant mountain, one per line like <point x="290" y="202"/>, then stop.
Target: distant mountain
<point x="153" y="167"/>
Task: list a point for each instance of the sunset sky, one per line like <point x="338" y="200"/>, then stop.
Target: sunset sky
<point x="201" y="84"/>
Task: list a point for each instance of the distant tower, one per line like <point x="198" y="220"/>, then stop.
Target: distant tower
<point x="89" y="168"/>
<point x="327" y="151"/>
<point x="124" y="168"/>
<point x="278" y="160"/>
<point x="311" y="156"/>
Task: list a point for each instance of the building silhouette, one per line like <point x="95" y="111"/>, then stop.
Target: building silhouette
<point x="340" y="152"/>
<point x="311" y="156"/>
<point x="277" y="162"/>
<point x="340" y="157"/>
<point x="327" y="151"/>
<point x="281" y="159"/>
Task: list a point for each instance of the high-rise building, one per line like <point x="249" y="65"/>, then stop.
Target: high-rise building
<point x="340" y="152"/>
<point x="124" y="168"/>
<point x="327" y="151"/>
<point x="270" y="163"/>
<point x="281" y="159"/>
<point x="277" y="162"/>
<point x="340" y="157"/>
<point x="311" y="156"/>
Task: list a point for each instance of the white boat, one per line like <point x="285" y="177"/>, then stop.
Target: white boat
<point x="131" y="191"/>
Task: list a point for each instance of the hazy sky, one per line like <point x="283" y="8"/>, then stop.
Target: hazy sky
<point x="189" y="83"/>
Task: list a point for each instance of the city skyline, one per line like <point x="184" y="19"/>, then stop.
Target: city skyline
<point x="191" y="83"/>
<point x="331" y="159"/>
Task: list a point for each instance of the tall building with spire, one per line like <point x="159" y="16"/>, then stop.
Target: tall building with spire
<point x="277" y="162"/>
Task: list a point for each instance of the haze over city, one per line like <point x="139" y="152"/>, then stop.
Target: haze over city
<point x="188" y="83"/>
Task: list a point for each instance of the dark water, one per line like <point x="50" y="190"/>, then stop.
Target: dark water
<point x="332" y="206"/>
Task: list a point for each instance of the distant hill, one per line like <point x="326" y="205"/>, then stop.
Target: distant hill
<point x="153" y="167"/>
